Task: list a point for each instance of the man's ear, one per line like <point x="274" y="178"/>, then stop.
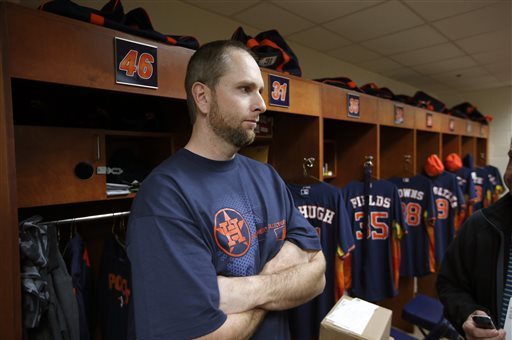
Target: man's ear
<point x="202" y="97"/>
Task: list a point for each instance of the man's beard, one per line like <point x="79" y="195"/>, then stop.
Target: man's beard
<point x="237" y="136"/>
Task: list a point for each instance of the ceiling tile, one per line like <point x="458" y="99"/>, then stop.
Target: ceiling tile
<point x="419" y="81"/>
<point x="504" y="68"/>
<point x="322" y="11"/>
<point x="223" y="7"/>
<point x="380" y="65"/>
<point x="491" y="57"/>
<point x="446" y="65"/>
<point x="505" y="78"/>
<point x="353" y="54"/>
<point x="483" y="20"/>
<point x="435" y="10"/>
<point x="428" y="55"/>
<point x="412" y="39"/>
<point x="473" y="82"/>
<point x="311" y="39"/>
<point x="492" y="41"/>
<point x="376" y="21"/>
<point x="461" y="75"/>
<point x="401" y="73"/>
<point x="266" y="16"/>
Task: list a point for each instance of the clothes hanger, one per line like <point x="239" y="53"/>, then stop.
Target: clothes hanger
<point x="407" y="166"/>
<point x="309" y="163"/>
<point x="119" y="235"/>
<point x="368" y="166"/>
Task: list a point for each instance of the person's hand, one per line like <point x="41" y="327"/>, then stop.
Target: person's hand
<point x="473" y="332"/>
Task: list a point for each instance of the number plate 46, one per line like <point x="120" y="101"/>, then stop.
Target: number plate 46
<point x="136" y="63"/>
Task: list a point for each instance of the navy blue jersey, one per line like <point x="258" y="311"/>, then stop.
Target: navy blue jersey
<point x="448" y="199"/>
<point x="484" y="189"/>
<point x="78" y="264"/>
<point x="465" y="178"/>
<point x="419" y="214"/>
<point x="323" y="206"/>
<point x="375" y="261"/>
<point x="114" y="290"/>
<point x="194" y="219"/>
<point x="496" y="181"/>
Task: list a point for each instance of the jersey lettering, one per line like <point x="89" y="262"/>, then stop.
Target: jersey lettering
<point x="119" y="284"/>
<point x="446" y="193"/>
<point x="412" y="213"/>
<point x="314" y="212"/>
<point x="378" y="228"/>
<point x="374" y="201"/>
<point x="411" y="193"/>
<point x="442" y="208"/>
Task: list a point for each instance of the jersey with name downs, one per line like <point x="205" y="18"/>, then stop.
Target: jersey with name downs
<point x="419" y="215"/>
<point x="323" y="206"/>
<point x="194" y="219"/>
<point x="375" y="261"/>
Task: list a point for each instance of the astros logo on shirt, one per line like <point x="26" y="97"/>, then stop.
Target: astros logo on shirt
<point x="231" y="232"/>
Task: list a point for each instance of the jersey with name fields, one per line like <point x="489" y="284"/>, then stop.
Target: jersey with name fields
<point x="375" y="261"/>
<point x="418" y="257"/>
<point x="323" y="206"/>
<point x="448" y="199"/>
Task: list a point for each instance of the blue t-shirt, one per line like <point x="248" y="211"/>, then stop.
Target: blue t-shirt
<point x="194" y="219"/>
<point x="323" y="206"/>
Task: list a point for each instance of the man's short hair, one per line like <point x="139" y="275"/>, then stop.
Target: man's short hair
<point x="208" y="64"/>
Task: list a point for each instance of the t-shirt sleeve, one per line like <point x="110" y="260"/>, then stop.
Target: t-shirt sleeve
<point x="175" y="283"/>
<point x="298" y="230"/>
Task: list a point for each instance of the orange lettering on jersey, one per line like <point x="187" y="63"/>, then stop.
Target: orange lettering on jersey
<point x="120" y="284"/>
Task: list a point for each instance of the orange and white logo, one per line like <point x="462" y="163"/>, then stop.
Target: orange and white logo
<point x="231" y="232"/>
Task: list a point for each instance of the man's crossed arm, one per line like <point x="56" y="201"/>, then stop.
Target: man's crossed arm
<point x="291" y="278"/>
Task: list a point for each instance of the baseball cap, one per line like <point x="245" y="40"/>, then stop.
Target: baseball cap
<point x="433" y="166"/>
<point x="453" y="162"/>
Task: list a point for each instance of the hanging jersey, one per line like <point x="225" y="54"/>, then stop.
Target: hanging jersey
<point x="465" y="178"/>
<point x="114" y="290"/>
<point x="483" y="188"/>
<point x="77" y="260"/>
<point x="496" y="181"/>
<point x="375" y="261"/>
<point x="419" y="215"/>
<point x="448" y="199"/>
<point x="323" y="206"/>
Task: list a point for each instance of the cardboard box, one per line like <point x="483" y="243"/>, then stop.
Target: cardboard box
<point x="374" y="321"/>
